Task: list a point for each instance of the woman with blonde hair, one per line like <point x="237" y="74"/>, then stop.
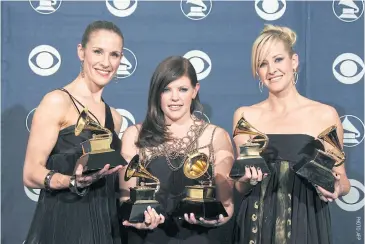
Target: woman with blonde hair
<point x="283" y="207"/>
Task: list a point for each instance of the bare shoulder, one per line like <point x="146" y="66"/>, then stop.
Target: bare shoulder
<point x="56" y="98"/>
<point x="130" y="135"/>
<point x="324" y="113"/>
<point x="251" y="113"/>
<point x="56" y="103"/>
<point x="218" y="134"/>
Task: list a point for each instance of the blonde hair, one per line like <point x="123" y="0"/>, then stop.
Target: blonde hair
<point x="269" y="35"/>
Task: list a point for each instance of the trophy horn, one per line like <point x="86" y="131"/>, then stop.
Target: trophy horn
<point x="196" y="165"/>
<point x="135" y="169"/>
<point x="244" y="127"/>
<point x="84" y="122"/>
<point x="330" y="136"/>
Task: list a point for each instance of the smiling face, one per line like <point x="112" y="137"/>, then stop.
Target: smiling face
<point x="276" y="69"/>
<point x="101" y="56"/>
<point x="176" y="99"/>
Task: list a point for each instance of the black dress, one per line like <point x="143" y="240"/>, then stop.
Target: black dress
<point x="63" y="217"/>
<point x="284" y="208"/>
<point x="172" y="186"/>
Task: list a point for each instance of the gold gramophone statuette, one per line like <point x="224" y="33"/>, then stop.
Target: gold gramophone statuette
<point x="200" y="199"/>
<point x="141" y="196"/>
<point x="249" y="154"/>
<point x="317" y="169"/>
<point x="96" y="151"/>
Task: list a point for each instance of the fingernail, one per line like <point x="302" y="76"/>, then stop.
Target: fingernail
<point x="258" y="168"/>
<point x="247" y="166"/>
<point x="221" y="216"/>
<point x="251" y="166"/>
<point x="201" y="219"/>
<point x="149" y="207"/>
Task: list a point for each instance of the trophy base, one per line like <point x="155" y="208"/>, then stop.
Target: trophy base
<point x="134" y="211"/>
<point x="209" y="209"/>
<point x="239" y="166"/>
<point x="315" y="173"/>
<point x="93" y="162"/>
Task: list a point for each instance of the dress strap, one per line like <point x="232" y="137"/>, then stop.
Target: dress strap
<point x="73" y="99"/>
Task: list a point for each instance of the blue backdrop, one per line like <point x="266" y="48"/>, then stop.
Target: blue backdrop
<point x="38" y="48"/>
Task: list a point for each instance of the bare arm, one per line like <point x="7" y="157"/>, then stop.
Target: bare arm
<point x="333" y="119"/>
<point x="47" y="121"/>
<point x="224" y="158"/>
<point x="128" y="151"/>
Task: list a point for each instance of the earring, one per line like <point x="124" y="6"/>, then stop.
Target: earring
<point x="261" y="86"/>
<point x="82" y="69"/>
<point x="295" y="81"/>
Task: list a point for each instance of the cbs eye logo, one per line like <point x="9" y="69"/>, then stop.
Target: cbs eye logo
<point x="44" y="60"/>
<point x="351" y="202"/>
<point x="270" y="9"/>
<point x="29" y="118"/>
<point x="121" y="8"/>
<point x="33" y="194"/>
<point x="348" y="66"/>
<point x="126" y="118"/>
<point x="197" y="59"/>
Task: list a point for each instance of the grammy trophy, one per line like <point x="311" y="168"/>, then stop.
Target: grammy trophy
<point x="141" y="196"/>
<point x="96" y="152"/>
<point x="200" y="199"/>
<point x="249" y="154"/>
<point x="318" y="169"/>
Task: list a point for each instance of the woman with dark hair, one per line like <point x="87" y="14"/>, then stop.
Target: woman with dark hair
<point x="169" y="134"/>
<point x="73" y="208"/>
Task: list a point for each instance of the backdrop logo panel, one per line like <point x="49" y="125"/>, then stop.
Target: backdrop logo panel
<point x="33" y="194"/>
<point x="202" y="116"/>
<point x="44" y="60"/>
<point x="270" y="9"/>
<point x="128" y="64"/>
<point x="29" y="118"/>
<point x="351" y="202"/>
<point x="45" y="6"/>
<point x="121" y="8"/>
<point x="353" y="129"/>
<point x="350" y="68"/>
<point x="127" y="119"/>
<point x="196" y="9"/>
<point x="348" y="10"/>
<point x="197" y="59"/>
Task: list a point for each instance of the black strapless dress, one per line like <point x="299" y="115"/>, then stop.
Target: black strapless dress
<point x="284" y="208"/>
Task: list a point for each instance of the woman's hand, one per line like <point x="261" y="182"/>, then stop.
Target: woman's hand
<point x="207" y="223"/>
<point x="151" y="220"/>
<point x="327" y="196"/>
<point x="252" y="175"/>
<point x="83" y="181"/>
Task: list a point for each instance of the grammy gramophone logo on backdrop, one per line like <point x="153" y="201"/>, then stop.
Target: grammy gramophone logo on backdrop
<point x="121" y="8"/>
<point x="196" y="9"/>
<point x="45" y="6"/>
<point x="270" y="9"/>
<point x="128" y="64"/>
<point x="353" y="129"/>
<point x="201" y="62"/>
<point x="348" y="10"/>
